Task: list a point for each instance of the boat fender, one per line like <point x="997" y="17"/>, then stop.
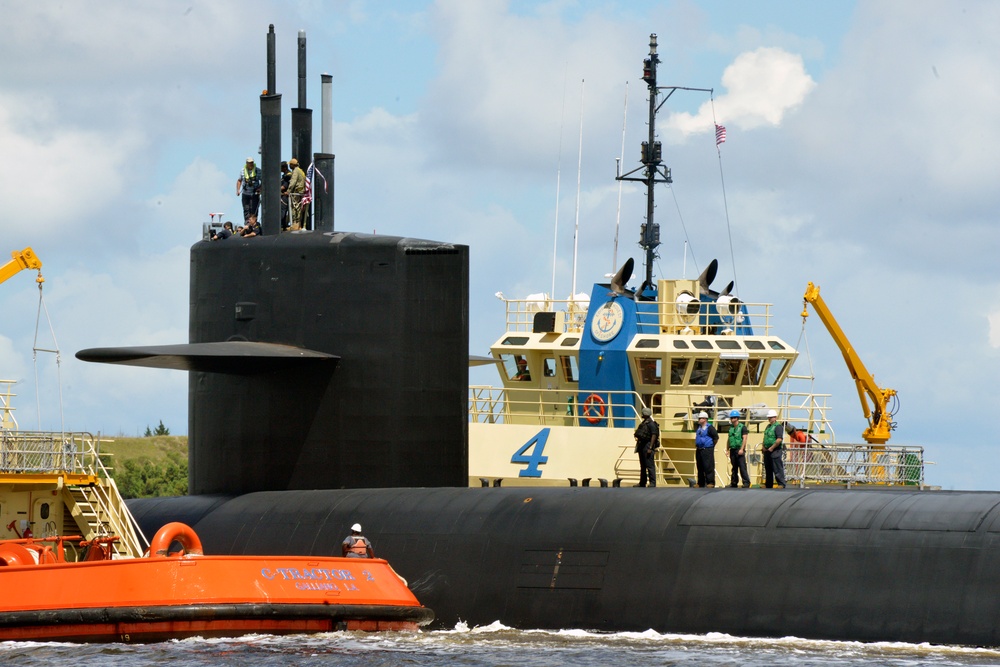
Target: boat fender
<point x="159" y="547"/>
<point x="593" y="408"/>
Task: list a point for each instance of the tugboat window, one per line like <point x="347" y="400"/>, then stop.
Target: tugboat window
<point x="515" y="340"/>
<point x="752" y="376"/>
<point x="726" y="344"/>
<point x="701" y="344"/>
<point x="516" y="367"/>
<point x="728" y="371"/>
<point x="678" y="369"/>
<point x="755" y="345"/>
<point x="44" y="511"/>
<point x="775" y="369"/>
<point x="571" y="371"/>
<point x="570" y="342"/>
<point x="775" y="345"/>
<point x="680" y="344"/>
<point x="650" y="371"/>
<point x="549" y="367"/>
<point x="701" y="371"/>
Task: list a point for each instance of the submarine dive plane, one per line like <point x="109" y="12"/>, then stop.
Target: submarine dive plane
<point x="314" y="405"/>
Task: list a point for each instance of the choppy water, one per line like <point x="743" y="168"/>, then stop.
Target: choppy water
<point x="496" y="646"/>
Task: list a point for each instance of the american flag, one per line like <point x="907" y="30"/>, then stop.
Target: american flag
<point x="720" y="135"/>
<point x="308" y="194"/>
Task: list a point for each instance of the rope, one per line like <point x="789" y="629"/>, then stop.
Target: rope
<point x="680" y="217"/>
<point x="802" y="335"/>
<point x="725" y="200"/>
<point x="34" y="357"/>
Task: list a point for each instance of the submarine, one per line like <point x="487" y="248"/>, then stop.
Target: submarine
<point x="328" y="378"/>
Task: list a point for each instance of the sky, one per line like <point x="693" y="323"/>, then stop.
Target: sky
<point x="861" y="155"/>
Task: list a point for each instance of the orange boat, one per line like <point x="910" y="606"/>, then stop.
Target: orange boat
<point x="70" y="589"/>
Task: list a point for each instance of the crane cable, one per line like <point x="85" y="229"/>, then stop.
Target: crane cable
<point x="34" y="357"/>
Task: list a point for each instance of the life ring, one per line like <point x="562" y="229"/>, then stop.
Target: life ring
<point x="159" y="547"/>
<point x="591" y="404"/>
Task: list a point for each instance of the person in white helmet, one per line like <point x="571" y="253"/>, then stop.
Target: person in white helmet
<point x="357" y="545"/>
<point x="705" y="437"/>
<point x="774" y="466"/>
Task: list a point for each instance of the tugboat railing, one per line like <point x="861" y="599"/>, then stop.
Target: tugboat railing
<point x="854" y="465"/>
<point x="48" y="452"/>
<point x="653" y="318"/>
<point x="673" y="410"/>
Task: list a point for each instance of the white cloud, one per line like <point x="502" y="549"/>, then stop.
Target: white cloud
<point x="994" y="329"/>
<point x="58" y="174"/>
<point x="762" y="87"/>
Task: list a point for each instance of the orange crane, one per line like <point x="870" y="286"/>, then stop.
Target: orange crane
<point x="877" y="413"/>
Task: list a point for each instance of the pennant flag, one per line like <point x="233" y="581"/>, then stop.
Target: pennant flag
<point x="720" y="134"/>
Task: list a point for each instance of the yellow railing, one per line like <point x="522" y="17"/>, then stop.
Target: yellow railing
<point x="854" y="465"/>
<point x="655" y="314"/>
<point x="42" y="452"/>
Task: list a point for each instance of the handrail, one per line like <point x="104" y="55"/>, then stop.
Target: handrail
<point x="652" y="316"/>
<point x="855" y="464"/>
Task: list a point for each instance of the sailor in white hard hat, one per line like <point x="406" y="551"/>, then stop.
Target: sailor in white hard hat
<point x="357" y="545"/>
<point x="774" y="465"/>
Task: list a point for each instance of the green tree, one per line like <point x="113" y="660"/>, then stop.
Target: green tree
<point x="142" y="478"/>
<point x="161" y="429"/>
<point x="148" y="433"/>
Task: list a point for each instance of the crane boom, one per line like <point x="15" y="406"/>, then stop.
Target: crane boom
<point x="20" y="260"/>
<point x="877" y="414"/>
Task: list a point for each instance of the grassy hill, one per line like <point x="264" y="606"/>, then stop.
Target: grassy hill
<point x="158" y="449"/>
<point x="148" y="467"/>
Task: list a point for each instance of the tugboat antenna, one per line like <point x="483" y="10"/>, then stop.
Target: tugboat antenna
<point x="654" y="171"/>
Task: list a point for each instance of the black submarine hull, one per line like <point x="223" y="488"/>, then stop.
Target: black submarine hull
<point x="826" y="564"/>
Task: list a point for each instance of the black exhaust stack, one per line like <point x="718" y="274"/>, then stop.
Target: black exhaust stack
<point x="302" y="121"/>
<point x="270" y="146"/>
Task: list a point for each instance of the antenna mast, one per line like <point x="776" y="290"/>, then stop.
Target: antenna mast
<point x="654" y="171"/>
<point x="652" y="164"/>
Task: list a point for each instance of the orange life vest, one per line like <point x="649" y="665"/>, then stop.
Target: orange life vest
<point x="360" y="547"/>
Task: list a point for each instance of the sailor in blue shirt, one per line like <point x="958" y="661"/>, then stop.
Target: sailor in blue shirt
<point x="705" y="437"/>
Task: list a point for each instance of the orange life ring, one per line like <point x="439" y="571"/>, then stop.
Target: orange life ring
<point x="590" y="404"/>
<point x="175" y="532"/>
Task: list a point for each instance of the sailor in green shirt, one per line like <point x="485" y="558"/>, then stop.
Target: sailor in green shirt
<point x="738" y="450"/>
<point x="774" y="466"/>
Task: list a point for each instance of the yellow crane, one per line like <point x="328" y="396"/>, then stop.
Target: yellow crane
<point x="21" y="260"/>
<point x="878" y="415"/>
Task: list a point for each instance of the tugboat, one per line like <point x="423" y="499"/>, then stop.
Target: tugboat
<point x="70" y="589"/>
<point x="576" y="375"/>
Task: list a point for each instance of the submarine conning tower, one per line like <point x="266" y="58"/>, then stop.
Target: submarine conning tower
<point x="320" y="359"/>
<point x="385" y="408"/>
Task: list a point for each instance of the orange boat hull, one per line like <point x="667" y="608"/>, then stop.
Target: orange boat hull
<point x="151" y="599"/>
